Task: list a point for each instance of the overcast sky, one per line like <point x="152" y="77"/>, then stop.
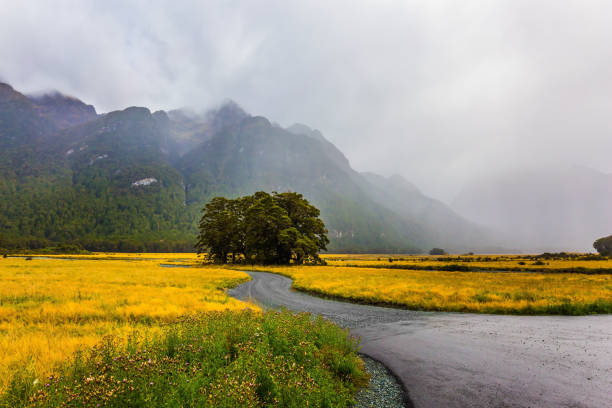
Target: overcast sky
<point x="437" y="91"/>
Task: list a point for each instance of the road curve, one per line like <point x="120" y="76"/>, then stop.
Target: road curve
<point x="469" y="360"/>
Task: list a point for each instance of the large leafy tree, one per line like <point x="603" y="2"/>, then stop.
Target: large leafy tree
<point x="308" y="234"/>
<point x="604" y="246"/>
<point x="265" y="221"/>
<point x="263" y="228"/>
<point x="218" y="228"/>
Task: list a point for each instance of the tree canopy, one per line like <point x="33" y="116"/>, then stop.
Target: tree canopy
<point x="277" y="228"/>
<point x="604" y="246"/>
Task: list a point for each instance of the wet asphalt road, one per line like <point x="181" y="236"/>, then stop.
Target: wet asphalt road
<point x="469" y="360"/>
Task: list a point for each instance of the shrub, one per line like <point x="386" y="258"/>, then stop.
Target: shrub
<point x="222" y="359"/>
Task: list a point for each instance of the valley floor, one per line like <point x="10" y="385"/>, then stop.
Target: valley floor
<point x="53" y="305"/>
<point x="475" y="360"/>
<point x="500" y="292"/>
<point x="131" y="330"/>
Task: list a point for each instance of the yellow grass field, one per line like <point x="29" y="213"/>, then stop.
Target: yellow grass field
<point x="161" y="256"/>
<point x="491" y="262"/>
<point x="49" y="308"/>
<point x="480" y="292"/>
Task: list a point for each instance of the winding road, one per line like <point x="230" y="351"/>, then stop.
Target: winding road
<point x="469" y="360"/>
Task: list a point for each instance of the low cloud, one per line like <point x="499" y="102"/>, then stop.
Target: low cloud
<point x="439" y="91"/>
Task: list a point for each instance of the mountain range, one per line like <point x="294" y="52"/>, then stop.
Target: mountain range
<point x="137" y="180"/>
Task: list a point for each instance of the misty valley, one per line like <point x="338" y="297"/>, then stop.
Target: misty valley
<point x="305" y="204"/>
<point x="93" y="205"/>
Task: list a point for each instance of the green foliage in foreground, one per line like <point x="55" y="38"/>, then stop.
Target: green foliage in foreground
<point x="218" y="360"/>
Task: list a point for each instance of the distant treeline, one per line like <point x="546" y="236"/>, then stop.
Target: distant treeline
<point x="34" y="244"/>
<point x="488" y="268"/>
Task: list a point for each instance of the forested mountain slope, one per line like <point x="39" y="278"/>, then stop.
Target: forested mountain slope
<point x="136" y="180"/>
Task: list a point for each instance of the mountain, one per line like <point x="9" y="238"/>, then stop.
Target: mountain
<point x="441" y="225"/>
<point x="431" y="220"/>
<point x="106" y="183"/>
<point x="547" y="208"/>
<point x="189" y="129"/>
<point x="22" y="122"/>
<point x="64" y="111"/>
<point x="136" y="180"/>
<point x="255" y="155"/>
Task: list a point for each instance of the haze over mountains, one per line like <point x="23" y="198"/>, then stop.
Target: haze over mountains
<point x="542" y="208"/>
<point x="140" y="179"/>
<point x="136" y="180"/>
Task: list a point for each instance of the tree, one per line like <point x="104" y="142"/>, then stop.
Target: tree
<point x="311" y="233"/>
<point x="437" y="251"/>
<point x="604" y="246"/>
<point x="264" y="222"/>
<point x="265" y="228"/>
<point x="218" y="229"/>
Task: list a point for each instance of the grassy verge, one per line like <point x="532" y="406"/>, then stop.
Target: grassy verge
<point x="563" y="307"/>
<point x="544" y="263"/>
<point x="470" y="268"/>
<point x="475" y="292"/>
<point x="218" y="359"/>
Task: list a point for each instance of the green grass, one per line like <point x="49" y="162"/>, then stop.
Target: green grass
<point x="220" y="359"/>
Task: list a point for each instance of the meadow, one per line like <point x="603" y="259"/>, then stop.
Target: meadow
<point x="122" y="330"/>
<point x="126" y="256"/>
<point x="581" y="263"/>
<point x="452" y="291"/>
<point x="49" y="308"/>
<point x="117" y="328"/>
<point x="217" y="360"/>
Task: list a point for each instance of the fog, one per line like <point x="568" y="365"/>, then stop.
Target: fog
<point x="437" y="91"/>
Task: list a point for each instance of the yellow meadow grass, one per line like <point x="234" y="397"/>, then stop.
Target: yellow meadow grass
<point x="492" y="262"/>
<point x="480" y="292"/>
<point x="169" y="256"/>
<point x="49" y="308"/>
